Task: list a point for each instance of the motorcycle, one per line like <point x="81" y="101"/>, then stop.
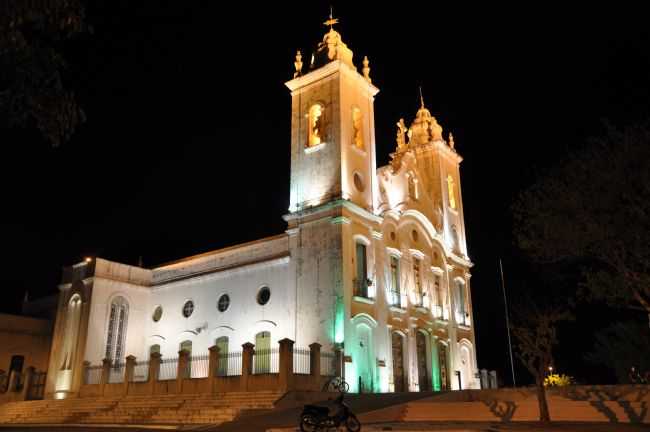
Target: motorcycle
<point x="316" y="418"/>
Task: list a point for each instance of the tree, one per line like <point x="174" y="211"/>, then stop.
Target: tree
<point x="592" y="212"/>
<point x="622" y="346"/>
<point x="535" y="332"/>
<point x="32" y="90"/>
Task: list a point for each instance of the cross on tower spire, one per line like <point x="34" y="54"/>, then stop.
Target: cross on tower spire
<point x="331" y="21"/>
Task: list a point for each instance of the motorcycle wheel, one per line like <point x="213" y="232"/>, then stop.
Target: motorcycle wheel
<point x="344" y="387"/>
<point x="308" y="424"/>
<point x="352" y="423"/>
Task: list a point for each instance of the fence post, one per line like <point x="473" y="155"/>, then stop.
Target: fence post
<point x="339" y="363"/>
<point x="248" y="349"/>
<point x="106" y="370"/>
<point x="128" y="372"/>
<point x="183" y="366"/>
<point x="213" y="363"/>
<point x="154" y="370"/>
<point x="314" y="364"/>
<point x="84" y="372"/>
<point x="27" y="383"/>
<point x="286" y="364"/>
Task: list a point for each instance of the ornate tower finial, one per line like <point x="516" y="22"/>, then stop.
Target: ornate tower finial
<point x="366" y="69"/>
<point x="451" y="141"/>
<point x="298" y="65"/>
<point x="331" y="21"/>
<point x="421" y="98"/>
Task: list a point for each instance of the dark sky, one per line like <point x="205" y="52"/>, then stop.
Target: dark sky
<point x="186" y="144"/>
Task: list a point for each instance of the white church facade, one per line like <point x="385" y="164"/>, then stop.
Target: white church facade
<point x="373" y="262"/>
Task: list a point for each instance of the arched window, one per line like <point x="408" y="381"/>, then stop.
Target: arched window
<point x="222" y="344"/>
<point x="116" y="333"/>
<point x="395" y="292"/>
<point x="455" y="239"/>
<point x="262" y="362"/>
<point x="361" y="281"/>
<point x="461" y="300"/>
<point x="357" y="129"/>
<point x="315" y="136"/>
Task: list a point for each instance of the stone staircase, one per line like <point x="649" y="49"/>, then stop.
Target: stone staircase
<point x="158" y="409"/>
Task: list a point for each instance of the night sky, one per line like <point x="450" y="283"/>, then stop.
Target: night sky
<point x="186" y="144"/>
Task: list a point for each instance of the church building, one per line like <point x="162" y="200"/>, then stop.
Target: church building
<point x="373" y="262"/>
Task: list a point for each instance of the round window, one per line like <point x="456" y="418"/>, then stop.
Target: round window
<point x="188" y="308"/>
<point x="157" y="314"/>
<point x="358" y="182"/>
<point x="224" y="302"/>
<point x="264" y="295"/>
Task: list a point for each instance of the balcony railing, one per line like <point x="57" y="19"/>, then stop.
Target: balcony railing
<point x="395" y="298"/>
<point x="462" y="318"/>
<point x="361" y="287"/>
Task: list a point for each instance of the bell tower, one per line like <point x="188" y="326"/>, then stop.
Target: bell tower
<point x="332" y="128"/>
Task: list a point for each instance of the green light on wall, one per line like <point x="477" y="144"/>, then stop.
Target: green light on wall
<point x="339" y="321"/>
<point x="436" y="370"/>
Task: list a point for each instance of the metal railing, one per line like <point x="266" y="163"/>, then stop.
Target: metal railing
<point x="140" y="372"/>
<point x="360" y="287"/>
<point x="328" y="365"/>
<point x="168" y="369"/>
<point x="301" y="361"/>
<point x="266" y="361"/>
<point x="198" y="366"/>
<point x="93" y="374"/>
<point x="229" y="364"/>
<point x="116" y="373"/>
<point x="395" y="299"/>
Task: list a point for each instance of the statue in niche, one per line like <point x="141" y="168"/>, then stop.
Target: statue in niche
<point x="315" y="125"/>
<point x="401" y="135"/>
<point x="357" y="137"/>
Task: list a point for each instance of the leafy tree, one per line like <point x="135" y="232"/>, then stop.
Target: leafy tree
<point x="622" y="346"/>
<point x="32" y="90"/>
<point x="592" y="212"/>
<point x="535" y="332"/>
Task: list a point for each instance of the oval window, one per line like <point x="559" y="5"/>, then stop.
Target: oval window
<point x="358" y="182"/>
<point x="157" y="314"/>
<point x="263" y="295"/>
<point x="188" y="308"/>
<point x="224" y="302"/>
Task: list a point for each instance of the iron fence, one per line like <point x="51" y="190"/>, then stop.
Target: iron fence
<point x="301" y="361"/>
<point x="93" y="374"/>
<point x="266" y="361"/>
<point x="36" y="388"/>
<point x="328" y="365"/>
<point x="116" y="373"/>
<point x="199" y="366"/>
<point x="4" y="382"/>
<point x="229" y="364"/>
<point x="168" y="369"/>
<point x="140" y="372"/>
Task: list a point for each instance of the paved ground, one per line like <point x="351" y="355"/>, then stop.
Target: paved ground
<point x="399" y="427"/>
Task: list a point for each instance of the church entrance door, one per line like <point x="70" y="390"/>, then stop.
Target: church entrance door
<point x="423" y="367"/>
<point x="364" y="367"/>
<point x="442" y="363"/>
<point x="398" y="362"/>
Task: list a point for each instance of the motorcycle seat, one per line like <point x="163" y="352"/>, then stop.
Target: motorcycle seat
<point x="317" y="409"/>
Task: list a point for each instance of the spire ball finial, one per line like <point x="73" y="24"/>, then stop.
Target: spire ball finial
<point x="366" y="69"/>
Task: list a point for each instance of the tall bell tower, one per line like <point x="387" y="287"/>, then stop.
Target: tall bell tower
<point x="333" y="176"/>
<point x="332" y="128"/>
